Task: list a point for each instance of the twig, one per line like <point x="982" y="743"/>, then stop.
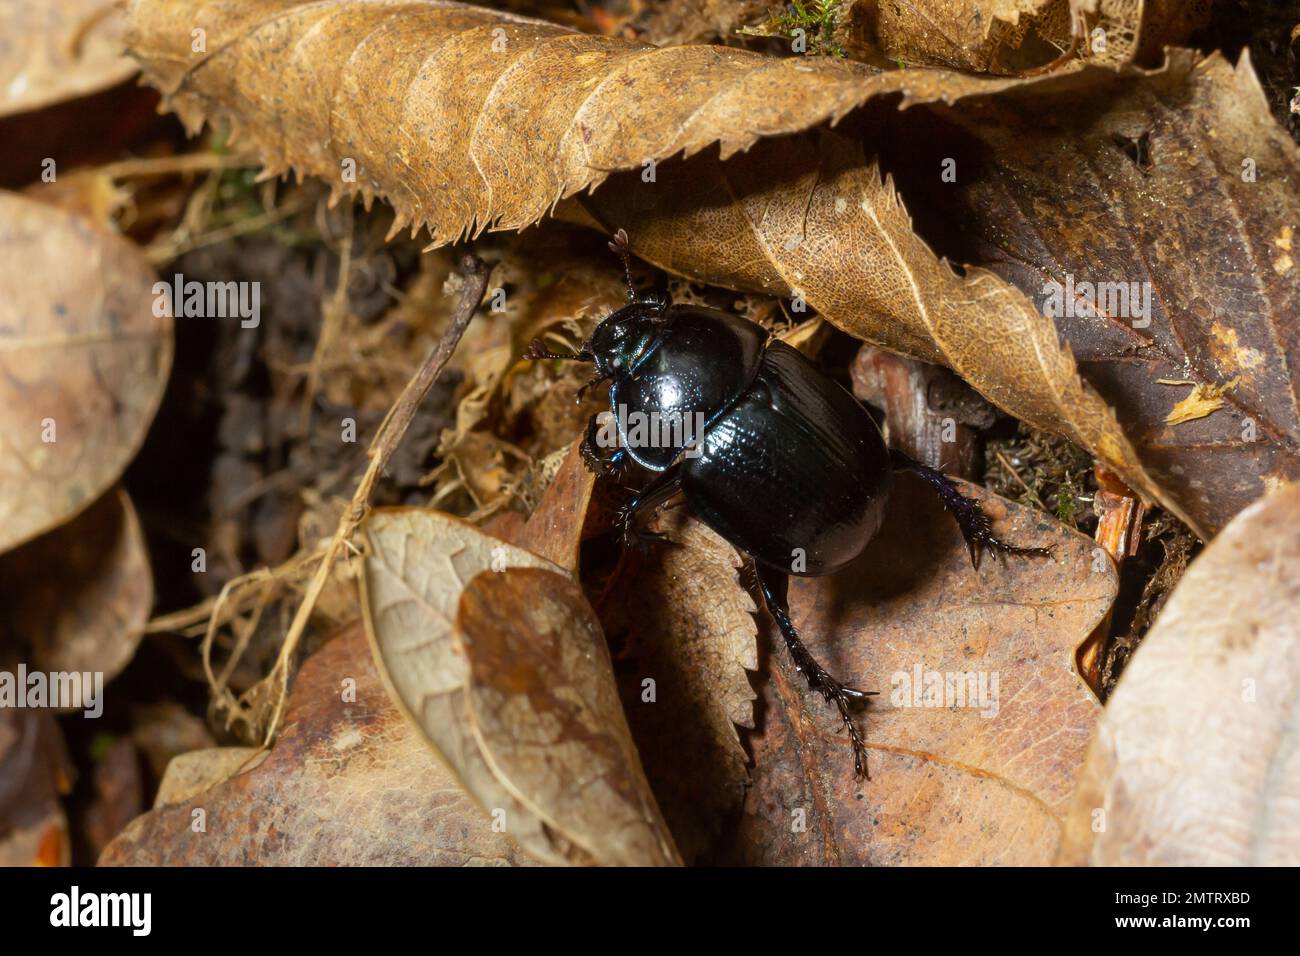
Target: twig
<point x="387" y="439"/>
<point x="172" y="247"/>
<point x="336" y="317"/>
<point x="1020" y="481"/>
<point x="175" y="165"/>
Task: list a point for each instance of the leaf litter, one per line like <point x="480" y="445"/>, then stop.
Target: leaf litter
<point x="704" y="744"/>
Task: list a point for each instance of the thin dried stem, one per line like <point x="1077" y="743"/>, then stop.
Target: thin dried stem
<point x="387" y="439"/>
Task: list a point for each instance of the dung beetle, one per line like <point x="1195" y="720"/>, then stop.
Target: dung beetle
<point x="767" y="450"/>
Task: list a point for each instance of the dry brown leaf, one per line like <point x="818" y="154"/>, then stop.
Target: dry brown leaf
<point x="699" y="21"/>
<point x="80" y="595"/>
<point x="1179" y="189"/>
<point x="196" y="772"/>
<point x="349" y="782"/>
<point x="34" y="771"/>
<point x="949" y="784"/>
<point x="554" y="529"/>
<point x="83" y="363"/>
<point x="685" y="622"/>
<point x="440" y="107"/>
<point x="116" y="795"/>
<point x="568" y="792"/>
<point x="809" y="217"/>
<point x="55" y="50"/>
<point x="980" y="35"/>
<point x="165" y="730"/>
<point x="990" y="35"/>
<point x="1194" y="761"/>
<point x="545" y="708"/>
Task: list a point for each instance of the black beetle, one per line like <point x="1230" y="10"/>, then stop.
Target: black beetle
<point x="768" y="451"/>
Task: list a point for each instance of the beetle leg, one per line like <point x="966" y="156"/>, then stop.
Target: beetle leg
<point x="598" y="380"/>
<point x="971" y="519"/>
<point x="774" y="585"/>
<point x="601" y="461"/>
<point x="665" y="485"/>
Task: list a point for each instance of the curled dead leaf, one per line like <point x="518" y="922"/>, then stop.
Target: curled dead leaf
<point x="810" y="218"/>
<point x="1149" y="217"/>
<point x="436" y="107"/>
<point x="1193" y="762"/>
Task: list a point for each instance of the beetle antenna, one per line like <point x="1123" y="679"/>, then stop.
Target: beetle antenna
<point x="619" y="246"/>
<point x="537" y="350"/>
<point x="598" y="380"/>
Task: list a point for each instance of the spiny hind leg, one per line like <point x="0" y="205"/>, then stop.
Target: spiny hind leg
<point x="970" y="517"/>
<point x="775" y="585"/>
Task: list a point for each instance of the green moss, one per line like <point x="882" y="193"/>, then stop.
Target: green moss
<point x="1045" y="471"/>
<point x="817" y="19"/>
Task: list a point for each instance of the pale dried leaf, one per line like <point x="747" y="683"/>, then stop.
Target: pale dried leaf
<point x="546" y="712"/>
<point x="419" y="563"/>
<point x="83" y="360"/>
<point x="55" y="50"/>
<point x="1194" y="761"/>
<point x="190" y="774"/>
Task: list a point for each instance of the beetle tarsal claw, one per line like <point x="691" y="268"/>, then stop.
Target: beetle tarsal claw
<point x="639" y="538"/>
<point x="859" y="696"/>
<point x="974" y="524"/>
<point x="839" y="695"/>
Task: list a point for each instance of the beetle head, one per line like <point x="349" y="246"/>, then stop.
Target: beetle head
<point x="624" y="337"/>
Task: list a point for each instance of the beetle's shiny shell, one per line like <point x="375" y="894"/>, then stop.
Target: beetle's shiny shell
<point x="796" y="473"/>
